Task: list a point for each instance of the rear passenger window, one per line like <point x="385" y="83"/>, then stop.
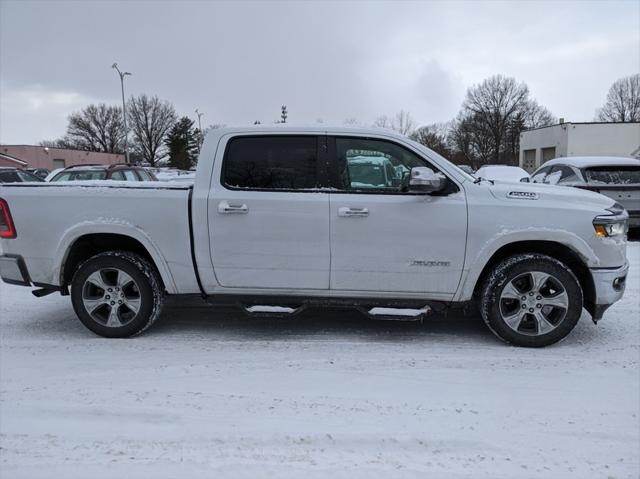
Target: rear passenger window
<point x="130" y="175"/>
<point x="117" y="176"/>
<point x="271" y="163"/>
<point x="144" y="175"/>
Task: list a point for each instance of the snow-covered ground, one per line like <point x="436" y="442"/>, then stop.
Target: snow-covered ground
<point x="209" y="393"/>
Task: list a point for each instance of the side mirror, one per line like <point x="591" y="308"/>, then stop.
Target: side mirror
<point x="425" y="180"/>
<point x="525" y="180"/>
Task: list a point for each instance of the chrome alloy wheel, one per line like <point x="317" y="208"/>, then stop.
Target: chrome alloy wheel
<point x="111" y="297"/>
<point x="534" y="303"/>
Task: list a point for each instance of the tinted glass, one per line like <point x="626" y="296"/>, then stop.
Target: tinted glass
<point x="365" y="164"/>
<point x="117" y="176"/>
<point x="618" y="175"/>
<point x="130" y="175"/>
<point x="144" y="175"/>
<point x="9" y="177"/>
<point x="568" y="175"/>
<point x="26" y="176"/>
<point x="271" y="162"/>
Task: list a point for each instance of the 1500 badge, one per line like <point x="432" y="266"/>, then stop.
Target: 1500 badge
<point x="523" y="195"/>
<point x="422" y="262"/>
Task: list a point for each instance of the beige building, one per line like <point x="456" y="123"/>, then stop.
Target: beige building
<point x="578" y="139"/>
<point x="29" y="156"/>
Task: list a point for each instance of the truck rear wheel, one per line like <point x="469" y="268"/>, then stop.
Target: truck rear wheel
<point x="117" y="294"/>
<point x="531" y="300"/>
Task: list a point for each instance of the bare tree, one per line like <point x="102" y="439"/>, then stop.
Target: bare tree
<point x="494" y="103"/>
<point x="402" y="122"/>
<point x="623" y="101"/>
<point x="150" y="119"/>
<point x="94" y="128"/>
<point x="434" y="136"/>
<point x="494" y="114"/>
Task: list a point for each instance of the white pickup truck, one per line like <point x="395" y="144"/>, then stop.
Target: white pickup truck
<point x="280" y="218"/>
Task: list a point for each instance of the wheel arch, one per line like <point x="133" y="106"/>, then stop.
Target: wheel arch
<point x="82" y="245"/>
<point x="563" y="253"/>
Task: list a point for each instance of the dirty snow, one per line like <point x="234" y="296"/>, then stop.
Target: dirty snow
<point x="210" y="393"/>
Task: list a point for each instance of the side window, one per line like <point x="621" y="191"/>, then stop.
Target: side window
<point x="9" y="177"/>
<point x="540" y="175"/>
<point x="370" y="164"/>
<point x="568" y="175"/>
<point x="66" y="176"/>
<point x="130" y="175"/>
<point x="144" y="176"/>
<point x="554" y="176"/>
<point x="117" y="176"/>
<point x="271" y="163"/>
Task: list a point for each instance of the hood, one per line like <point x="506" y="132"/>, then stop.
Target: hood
<point x="549" y="194"/>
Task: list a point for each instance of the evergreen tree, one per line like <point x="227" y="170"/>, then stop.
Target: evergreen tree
<point x="182" y="144"/>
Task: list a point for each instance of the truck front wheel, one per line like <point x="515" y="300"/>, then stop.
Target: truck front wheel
<point x="117" y="294"/>
<point x="531" y="300"/>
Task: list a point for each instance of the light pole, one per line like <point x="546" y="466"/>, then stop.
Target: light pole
<point x="201" y="139"/>
<point x="124" y="111"/>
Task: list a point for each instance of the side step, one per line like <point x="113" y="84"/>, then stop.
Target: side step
<point x="396" y="314"/>
<point x="271" y="311"/>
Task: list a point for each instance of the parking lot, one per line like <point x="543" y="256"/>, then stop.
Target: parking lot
<point x="210" y="393"/>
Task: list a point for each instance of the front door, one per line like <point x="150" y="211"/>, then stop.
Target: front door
<point x="268" y="221"/>
<point x="384" y="239"/>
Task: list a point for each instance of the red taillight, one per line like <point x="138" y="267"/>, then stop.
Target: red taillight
<point x="7" y="229"/>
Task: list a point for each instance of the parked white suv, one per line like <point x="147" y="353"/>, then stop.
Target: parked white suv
<point x="617" y="178"/>
<point x="275" y="222"/>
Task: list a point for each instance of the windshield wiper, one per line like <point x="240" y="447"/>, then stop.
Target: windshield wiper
<point x="480" y="179"/>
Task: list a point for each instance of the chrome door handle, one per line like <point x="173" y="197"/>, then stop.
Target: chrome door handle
<point x="225" y="208"/>
<point x="347" y="212"/>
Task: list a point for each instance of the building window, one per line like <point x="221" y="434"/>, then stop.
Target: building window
<point x="529" y="160"/>
<point x="548" y="154"/>
<point x="58" y="163"/>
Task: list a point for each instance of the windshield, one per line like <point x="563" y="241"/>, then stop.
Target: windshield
<point x="615" y="175"/>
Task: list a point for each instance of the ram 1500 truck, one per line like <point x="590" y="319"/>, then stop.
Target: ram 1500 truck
<point x="285" y="217"/>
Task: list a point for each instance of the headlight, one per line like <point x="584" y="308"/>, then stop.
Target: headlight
<point x="605" y="230"/>
<point x="616" y="224"/>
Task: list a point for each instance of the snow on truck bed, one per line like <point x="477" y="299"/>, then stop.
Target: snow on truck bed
<point x="209" y="393"/>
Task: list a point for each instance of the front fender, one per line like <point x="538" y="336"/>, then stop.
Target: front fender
<point x="119" y="227"/>
<point x="503" y="238"/>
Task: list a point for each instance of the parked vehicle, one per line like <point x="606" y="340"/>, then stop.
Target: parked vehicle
<point x="16" y="175"/>
<point x="53" y="173"/>
<point x="173" y="174"/>
<point x="510" y="174"/>
<point x="274" y="222"/>
<point x="41" y="173"/>
<point x="617" y="178"/>
<point x="467" y="169"/>
<point x="117" y="172"/>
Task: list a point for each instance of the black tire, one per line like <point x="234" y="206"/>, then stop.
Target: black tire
<point x="519" y="270"/>
<point x="146" y="290"/>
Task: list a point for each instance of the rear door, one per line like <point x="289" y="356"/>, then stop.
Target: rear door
<point x="268" y="216"/>
<point x="384" y="239"/>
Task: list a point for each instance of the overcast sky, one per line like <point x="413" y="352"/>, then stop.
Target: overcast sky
<point x="238" y="62"/>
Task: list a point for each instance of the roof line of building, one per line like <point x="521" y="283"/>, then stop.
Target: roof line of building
<point x="585" y="123"/>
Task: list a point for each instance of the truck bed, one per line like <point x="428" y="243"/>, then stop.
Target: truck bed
<point x="49" y="217"/>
